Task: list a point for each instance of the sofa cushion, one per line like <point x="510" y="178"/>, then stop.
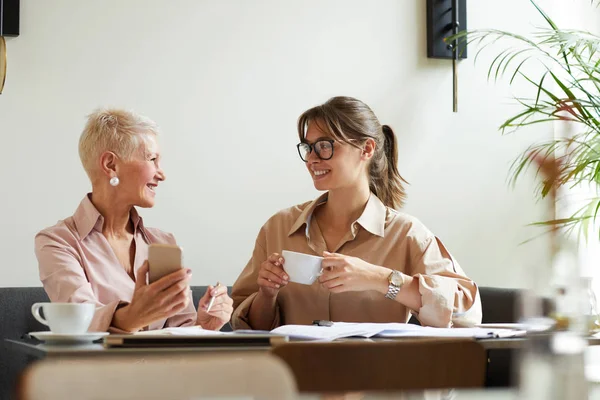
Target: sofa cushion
<point x="499" y="305"/>
<point x="15" y="306"/>
<point x="16" y="320"/>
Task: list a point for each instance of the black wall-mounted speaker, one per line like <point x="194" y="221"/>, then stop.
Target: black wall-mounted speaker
<point x="440" y="24"/>
<point x="9" y="17"/>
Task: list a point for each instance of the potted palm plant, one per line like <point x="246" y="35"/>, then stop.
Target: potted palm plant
<point x="565" y="90"/>
<point x="565" y="87"/>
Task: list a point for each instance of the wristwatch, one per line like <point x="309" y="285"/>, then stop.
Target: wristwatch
<point x="395" y="282"/>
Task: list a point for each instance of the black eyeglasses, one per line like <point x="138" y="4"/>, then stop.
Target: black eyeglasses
<point x="322" y="147"/>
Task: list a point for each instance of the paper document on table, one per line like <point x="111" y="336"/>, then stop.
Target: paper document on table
<point x="183" y="331"/>
<point x="339" y="330"/>
<point x="388" y="330"/>
<point x="336" y="331"/>
<point x="475" y="333"/>
<point x="533" y="325"/>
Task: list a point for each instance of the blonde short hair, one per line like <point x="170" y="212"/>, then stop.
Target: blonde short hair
<point x="115" y="130"/>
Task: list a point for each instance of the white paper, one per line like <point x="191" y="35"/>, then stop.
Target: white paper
<point x="388" y="330"/>
<point x="475" y="333"/>
<point x="336" y="331"/>
<point x="500" y="325"/>
<point x="537" y="325"/>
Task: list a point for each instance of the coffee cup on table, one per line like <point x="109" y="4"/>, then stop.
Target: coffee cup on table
<point x="302" y="268"/>
<point x="65" y="318"/>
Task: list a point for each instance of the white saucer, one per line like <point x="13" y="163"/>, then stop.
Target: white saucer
<point x="64" y="338"/>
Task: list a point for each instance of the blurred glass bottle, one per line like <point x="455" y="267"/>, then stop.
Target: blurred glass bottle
<point x="552" y="362"/>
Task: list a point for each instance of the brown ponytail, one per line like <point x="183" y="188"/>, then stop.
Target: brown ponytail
<point x="350" y="121"/>
<point x="389" y="188"/>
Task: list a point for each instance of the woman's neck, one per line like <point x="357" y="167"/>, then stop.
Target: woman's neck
<point x="344" y="206"/>
<point x="117" y="221"/>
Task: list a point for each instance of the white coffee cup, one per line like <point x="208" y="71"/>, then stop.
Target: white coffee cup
<point x="65" y="318"/>
<point x="301" y="268"/>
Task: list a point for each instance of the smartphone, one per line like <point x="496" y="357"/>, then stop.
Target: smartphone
<point x="163" y="259"/>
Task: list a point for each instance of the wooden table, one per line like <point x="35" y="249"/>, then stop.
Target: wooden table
<point x="375" y="361"/>
<point x="452" y="394"/>
<point x="517" y="343"/>
<point x="40" y="350"/>
<point x="35" y="350"/>
<point x="501" y="353"/>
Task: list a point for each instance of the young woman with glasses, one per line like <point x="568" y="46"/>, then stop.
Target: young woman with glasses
<point x="379" y="264"/>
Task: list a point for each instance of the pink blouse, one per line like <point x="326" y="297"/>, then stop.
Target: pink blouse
<point x="78" y="265"/>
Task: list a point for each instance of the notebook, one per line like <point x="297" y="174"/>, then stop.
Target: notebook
<point x="193" y="337"/>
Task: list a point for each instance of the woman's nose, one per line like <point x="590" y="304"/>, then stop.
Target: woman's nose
<point x="312" y="156"/>
<point x="161" y="174"/>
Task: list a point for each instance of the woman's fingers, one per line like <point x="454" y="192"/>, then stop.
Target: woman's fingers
<point x="339" y="289"/>
<point x="176" y="307"/>
<point x="275" y="259"/>
<point x="271" y="275"/>
<point x="206" y="297"/>
<point x="276" y="268"/>
<point x="217" y="290"/>
<point x="331" y="272"/>
<point x="173" y="305"/>
<point x="221" y="309"/>
<point x="167" y="281"/>
<point x="175" y="293"/>
<point x="333" y="283"/>
<point x="222" y="316"/>
<point x="268" y="283"/>
<point x="141" y="276"/>
<point x="333" y="262"/>
<point x="223" y="299"/>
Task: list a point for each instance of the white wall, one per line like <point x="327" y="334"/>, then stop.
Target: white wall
<point x="226" y="81"/>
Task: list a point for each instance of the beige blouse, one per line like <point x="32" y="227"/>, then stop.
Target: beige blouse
<point x="380" y="236"/>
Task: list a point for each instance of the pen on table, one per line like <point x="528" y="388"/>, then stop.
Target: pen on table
<point x="212" y="299"/>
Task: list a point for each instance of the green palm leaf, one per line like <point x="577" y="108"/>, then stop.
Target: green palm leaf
<point x="570" y="59"/>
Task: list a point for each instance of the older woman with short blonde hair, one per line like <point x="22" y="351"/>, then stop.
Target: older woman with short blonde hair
<point x="99" y="254"/>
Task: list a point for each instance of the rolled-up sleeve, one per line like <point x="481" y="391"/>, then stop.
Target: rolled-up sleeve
<point x="448" y="296"/>
<point x="245" y="288"/>
<point x="64" y="280"/>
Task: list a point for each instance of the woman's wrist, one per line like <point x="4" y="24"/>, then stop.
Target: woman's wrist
<point x="262" y="312"/>
<point x="381" y="279"/>
<point x="266" y="296"/>
<point x="122" y="319"/>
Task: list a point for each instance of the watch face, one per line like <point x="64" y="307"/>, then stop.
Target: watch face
<point x="396" y="279"/>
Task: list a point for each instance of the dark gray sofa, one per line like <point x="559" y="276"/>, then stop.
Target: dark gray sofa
<point x="499" y="305"/>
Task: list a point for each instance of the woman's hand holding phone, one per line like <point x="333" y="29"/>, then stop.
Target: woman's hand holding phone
<point x="161" y="299"/>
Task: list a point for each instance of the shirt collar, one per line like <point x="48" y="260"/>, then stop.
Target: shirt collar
<point x="372" y="219"/>
<point x="88" y="218"/>
<point x="373" y="216"/>
<point x="306" y="214"/>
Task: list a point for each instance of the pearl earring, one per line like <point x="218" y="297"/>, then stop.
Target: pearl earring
<point x="114" y="181"/>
